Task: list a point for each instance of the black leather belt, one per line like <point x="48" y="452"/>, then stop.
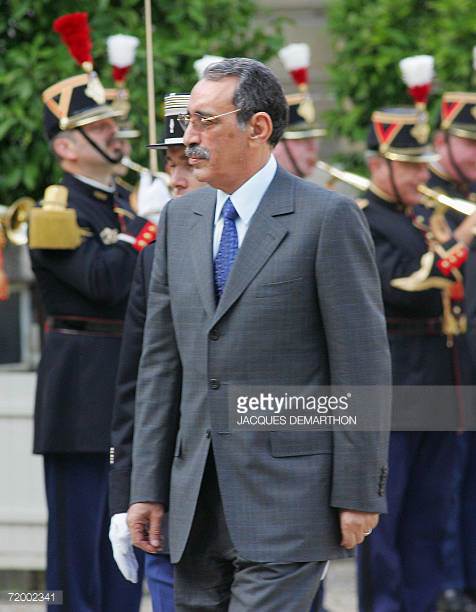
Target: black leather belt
<point x="85" y="325"/>
<point x="414" y="327"/>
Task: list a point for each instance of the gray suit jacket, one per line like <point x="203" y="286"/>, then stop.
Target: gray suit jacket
<point x="302" y="306"/>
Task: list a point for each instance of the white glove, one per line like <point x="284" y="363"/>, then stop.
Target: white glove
<point x="122" y="550"/>
<point x="152" y="196"/>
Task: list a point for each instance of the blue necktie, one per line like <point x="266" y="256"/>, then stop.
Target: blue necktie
<point x="227" y="249"/>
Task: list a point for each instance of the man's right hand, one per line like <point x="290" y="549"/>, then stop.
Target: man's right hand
<point x="145" y="524"/>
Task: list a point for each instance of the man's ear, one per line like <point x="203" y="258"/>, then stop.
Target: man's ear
<point x="374" y="162"/>
<point x="379" y="168"/>
<point x="64" y="147"/>
<point x="260" y="128"/>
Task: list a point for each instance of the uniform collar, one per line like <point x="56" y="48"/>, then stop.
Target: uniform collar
<point x="92" y="183"/>
<point x="381" y="197"/>
<point x="93" y="190"/>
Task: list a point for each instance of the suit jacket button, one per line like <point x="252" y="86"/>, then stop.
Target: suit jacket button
<point x="208" y="433"/>
<point x="214" y="383"/>
<point x="214" y="334"/>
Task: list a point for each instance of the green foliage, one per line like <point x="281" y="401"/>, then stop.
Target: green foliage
<point x="32" y="58"/>
<point x="371" y="36"/>
<point x="451" y="42"/>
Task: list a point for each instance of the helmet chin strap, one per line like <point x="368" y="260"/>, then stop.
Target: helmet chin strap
<point x="104" y="155"/>
<point x="463" y="179"/>
<point x="392" y="180"/>
<point x="297" y="169"/>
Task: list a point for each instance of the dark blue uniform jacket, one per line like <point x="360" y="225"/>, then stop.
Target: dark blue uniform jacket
<point x="77" y="371"/>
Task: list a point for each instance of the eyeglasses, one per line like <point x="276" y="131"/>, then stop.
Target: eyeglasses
<point x="199" y="122"/>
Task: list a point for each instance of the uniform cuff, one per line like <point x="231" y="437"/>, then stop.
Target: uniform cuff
<point x="146" y="236"/>
<point x="454" y="258"/>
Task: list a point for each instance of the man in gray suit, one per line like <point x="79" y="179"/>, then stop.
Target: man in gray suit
<point x="262" y="280"/>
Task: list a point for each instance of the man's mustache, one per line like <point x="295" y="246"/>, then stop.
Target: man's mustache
<point x="197" y="152"/>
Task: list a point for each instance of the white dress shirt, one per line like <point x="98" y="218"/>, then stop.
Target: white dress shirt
<point x="246" y="200"/>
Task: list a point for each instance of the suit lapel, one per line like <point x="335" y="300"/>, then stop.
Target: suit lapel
<point x="203" y="211"/>
<point x="263" y="237"/>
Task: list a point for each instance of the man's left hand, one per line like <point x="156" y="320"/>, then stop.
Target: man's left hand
<point x="355" y="526"/>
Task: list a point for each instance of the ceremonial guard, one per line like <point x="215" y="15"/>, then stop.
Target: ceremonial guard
<point x="158" y="569"/>
<point x="454" y="175"/>
<point x="84" y="243"/>
<point x="400" y="565"/>
<point x="298" y="150"/>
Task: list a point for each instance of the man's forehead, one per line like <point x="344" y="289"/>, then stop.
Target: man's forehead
<point x="212" y="94"/>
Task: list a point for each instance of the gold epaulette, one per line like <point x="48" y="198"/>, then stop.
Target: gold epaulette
<point x="124" y="184"/>
<point x="124" y="212"/>
<point x="53" y="225"/>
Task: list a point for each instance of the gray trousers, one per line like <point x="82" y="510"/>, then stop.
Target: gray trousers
<point x="212" y="575"/>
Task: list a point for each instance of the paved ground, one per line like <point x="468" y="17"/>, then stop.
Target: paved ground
<point x="340" y="593"/>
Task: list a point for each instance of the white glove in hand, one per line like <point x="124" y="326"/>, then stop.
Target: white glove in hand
<point x="152" y="196"/>
<point x="122" y="550"/>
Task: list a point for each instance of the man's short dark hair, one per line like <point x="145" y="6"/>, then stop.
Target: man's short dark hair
<point x="258" y="90"/>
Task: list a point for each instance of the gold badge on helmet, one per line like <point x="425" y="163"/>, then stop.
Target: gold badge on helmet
<point x="296" y="59"/>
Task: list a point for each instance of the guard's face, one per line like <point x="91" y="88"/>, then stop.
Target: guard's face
<point x="219" y="147"/>
<point x="103" y="133"/>
<point x="407" y="177"/>
<point x="464" y="153"/>
<point x="304" y="151"/>
<point x="182" y="179"/>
